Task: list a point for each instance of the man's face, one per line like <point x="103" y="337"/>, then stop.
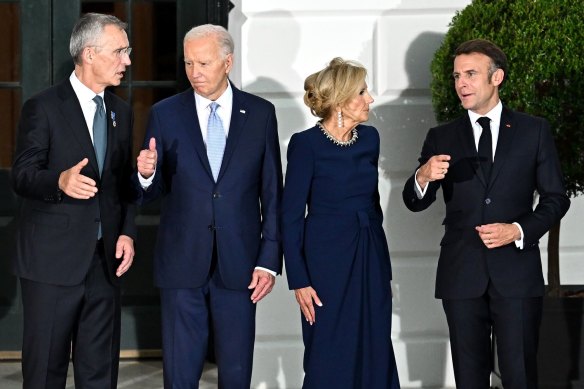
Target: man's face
<point x="110" y="57"/>
<point x="206" y="68"/>
<point x="476" y="91"/>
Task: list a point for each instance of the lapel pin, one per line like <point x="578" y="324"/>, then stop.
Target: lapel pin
<point x="113" y="116"/>
<point x="508" y="125"/>
<point x="242" y="110"/>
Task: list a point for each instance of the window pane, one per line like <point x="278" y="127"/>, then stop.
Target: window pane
<point x="142" y="100"/>
<point x="10" y="42"/>
<point x="9" y="114"/>
<point x="154" y="41"/>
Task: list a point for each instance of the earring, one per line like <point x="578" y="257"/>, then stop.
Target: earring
<point x="340" y="119"/>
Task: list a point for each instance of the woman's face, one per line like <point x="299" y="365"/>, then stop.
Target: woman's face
<point x="356" y="110"/>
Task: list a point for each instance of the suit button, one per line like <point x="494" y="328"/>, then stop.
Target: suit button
<point x="97" y="220"/>
<point x="211" y="227"/>
<point x="216" y="195"/>
<point x="487" y="201"/>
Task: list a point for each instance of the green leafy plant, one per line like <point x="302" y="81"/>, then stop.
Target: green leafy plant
<point x="544" y="44"/>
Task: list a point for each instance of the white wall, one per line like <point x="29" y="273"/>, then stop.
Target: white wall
<point x="278" y="44"/>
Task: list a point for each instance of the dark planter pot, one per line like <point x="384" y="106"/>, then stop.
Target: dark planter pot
<point x="560" y="356"/>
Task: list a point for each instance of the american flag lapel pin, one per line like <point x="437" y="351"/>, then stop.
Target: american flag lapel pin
<point x="113" y="116"/>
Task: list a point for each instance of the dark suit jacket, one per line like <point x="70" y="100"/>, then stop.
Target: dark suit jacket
<point x="525" y="161"/>
<point x="57" y="234"/>
<point x="241" y="209"/>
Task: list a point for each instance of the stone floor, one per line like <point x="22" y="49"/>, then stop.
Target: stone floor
<point x="134" y="374"/>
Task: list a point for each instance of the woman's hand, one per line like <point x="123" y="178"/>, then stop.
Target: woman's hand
<point x="305" y="298"/>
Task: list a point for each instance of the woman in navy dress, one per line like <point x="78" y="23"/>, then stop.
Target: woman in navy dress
<point x="335" y="250"/>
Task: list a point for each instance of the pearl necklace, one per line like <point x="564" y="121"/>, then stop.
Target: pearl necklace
<point x="342" y="143"/>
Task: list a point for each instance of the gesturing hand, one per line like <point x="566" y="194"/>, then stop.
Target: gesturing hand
<point x="434" y="169"/>
<point x="147" y="159"/>
<point x="76" y="185"/>
<point x="306" y="298"/>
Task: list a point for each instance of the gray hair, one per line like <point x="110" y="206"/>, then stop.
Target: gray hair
<point x="224" y="39"/>
<point x="88" y="30"/>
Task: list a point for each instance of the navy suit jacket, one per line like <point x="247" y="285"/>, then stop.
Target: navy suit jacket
<point x="241" y="209"/>
<point x="525" y="162"/>
<point x="57" y="234"/>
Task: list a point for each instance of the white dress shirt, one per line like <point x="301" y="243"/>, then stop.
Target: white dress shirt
<point x="85" y="97"/>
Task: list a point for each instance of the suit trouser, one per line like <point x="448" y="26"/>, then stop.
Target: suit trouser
<point x="188" y="314"/>
<point x="83" y="319"/>
<point x="515" y="324"/>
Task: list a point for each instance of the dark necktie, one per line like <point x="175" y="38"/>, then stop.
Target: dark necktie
<point x="215" y="140"/>
<point x="486" y="147"/>
<point x="99" y="138"/>
<point x="99" y="132"/>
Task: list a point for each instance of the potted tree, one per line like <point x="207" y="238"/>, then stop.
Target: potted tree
<point x="544" y="42"/>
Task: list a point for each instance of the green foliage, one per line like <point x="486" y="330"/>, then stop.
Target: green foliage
<point x="544" y="44"/>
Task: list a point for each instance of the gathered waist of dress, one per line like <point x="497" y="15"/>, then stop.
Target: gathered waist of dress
<point x="363" y="215"/>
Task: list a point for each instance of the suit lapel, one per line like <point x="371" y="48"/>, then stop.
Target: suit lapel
<point x="71" y="111"/>
<point x="507" y="130"/>
<point x="191" y="122"/>
<point x="239" y="114"/>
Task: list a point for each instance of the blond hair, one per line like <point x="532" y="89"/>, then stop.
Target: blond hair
<point x="333" y="86"/>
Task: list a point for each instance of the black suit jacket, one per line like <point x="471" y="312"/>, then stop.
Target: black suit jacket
<point x="57" y="234"/>
<point x="525" y="162"/>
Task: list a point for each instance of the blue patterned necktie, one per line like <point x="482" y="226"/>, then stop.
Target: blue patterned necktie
<point x="99" y="138"/>
<point x="99" y="132"/>
<point x="215" y="140"/>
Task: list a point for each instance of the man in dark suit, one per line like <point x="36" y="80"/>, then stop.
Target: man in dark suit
<point x="489" y="164"/>
<point x="212" y="153"/>
<point x="72" y="170"/>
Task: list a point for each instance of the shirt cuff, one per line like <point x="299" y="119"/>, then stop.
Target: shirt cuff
<point x="419" y="191"/>
<point x="519" y="243"/>
<point x="145" y="182"/>
<point x="266" y="270"/>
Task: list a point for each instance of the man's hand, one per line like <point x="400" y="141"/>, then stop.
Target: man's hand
<point x="76" y="185"/>
<point x="498" y="234"/>
<point x="125" y="252"/>
<point x="306" y="297"/>
<point x="434" y="169"/>
<point x="147" y="159"/>
<point x="262" y="283"/>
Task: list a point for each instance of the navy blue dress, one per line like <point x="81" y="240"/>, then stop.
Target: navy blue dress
<point x="339" y="248"/>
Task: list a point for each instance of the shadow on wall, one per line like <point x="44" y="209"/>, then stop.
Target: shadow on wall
<point x="403" y="124"/>
<point x="278" y="351"/>
<point x="276" y="80"/>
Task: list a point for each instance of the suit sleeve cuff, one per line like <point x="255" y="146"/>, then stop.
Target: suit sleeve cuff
<point x="266" y="270"/>
<point x="519" y="243"/>
<point x="419" y="191"/>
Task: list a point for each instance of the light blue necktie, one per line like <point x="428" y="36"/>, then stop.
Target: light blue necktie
<point x="215" y="140"/>
<point x="99" y="138"/>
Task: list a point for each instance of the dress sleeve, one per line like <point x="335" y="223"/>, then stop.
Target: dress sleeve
<point x="298" y="181"/>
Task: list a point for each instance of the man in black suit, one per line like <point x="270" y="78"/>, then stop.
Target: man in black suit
<point x="489" y="273"/>
<point x="72" y="170"/>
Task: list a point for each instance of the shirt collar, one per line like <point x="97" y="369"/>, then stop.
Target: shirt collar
<point x="84" y="94"/>
<point x="223" y="100"/>
<point x="494" y="114"/>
